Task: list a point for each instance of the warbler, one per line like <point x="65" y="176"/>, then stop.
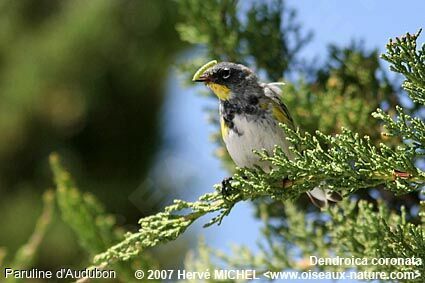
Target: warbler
<point x="250" y="113"/>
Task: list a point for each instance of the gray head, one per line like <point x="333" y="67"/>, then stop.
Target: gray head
<point x="228" y="79"/>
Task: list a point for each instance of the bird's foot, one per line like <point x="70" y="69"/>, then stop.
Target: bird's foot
<point x="226" y="187"/>
<point x="286" y="183"/>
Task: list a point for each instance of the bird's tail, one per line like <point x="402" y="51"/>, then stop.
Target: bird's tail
<point x="320" y="196"/>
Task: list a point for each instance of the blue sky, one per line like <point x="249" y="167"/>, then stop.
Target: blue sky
<point x="374" y="21"/>
<point x="185" y="121"/>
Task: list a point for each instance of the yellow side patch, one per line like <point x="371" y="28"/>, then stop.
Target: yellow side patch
<point x="221" y="91"/>
<point x="280" y="115"/>
<point x="224" y="128"/>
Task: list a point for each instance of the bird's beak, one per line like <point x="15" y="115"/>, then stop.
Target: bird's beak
<point x="203" y="78"/>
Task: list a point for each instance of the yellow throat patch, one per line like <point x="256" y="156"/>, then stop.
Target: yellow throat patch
<point x="221" y="91"/>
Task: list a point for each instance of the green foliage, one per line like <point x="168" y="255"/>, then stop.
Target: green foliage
<point x="222" y="24"/>
<point x="274" y="27"/>
<point x="82" y="212"/>
<point x="25" y="255"/>
<point x="406" y="126"/>
<point x="359" y="230"/>
<point x="343" y="93"/>
<point x="95" y="230"/>
<point x="345" y="162"/>
<point x="346" y="154"/>
<point x="404" y="58"/>
<point x="72" y="73"/>
<point x="407" y="59"/>
<point x="226" y="37"/>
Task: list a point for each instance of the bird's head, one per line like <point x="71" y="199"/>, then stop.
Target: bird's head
<point x="225" y="78"/>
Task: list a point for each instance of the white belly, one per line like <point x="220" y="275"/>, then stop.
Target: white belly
<point x="254" y="135"/>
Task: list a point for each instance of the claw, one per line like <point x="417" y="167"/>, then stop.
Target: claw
<point x="226" y="187"/>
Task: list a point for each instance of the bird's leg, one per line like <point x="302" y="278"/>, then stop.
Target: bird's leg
<point x="286" y="183"/>
<point x="226" y="187"/>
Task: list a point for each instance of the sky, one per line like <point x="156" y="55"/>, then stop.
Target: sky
<point x="331" y="21"/>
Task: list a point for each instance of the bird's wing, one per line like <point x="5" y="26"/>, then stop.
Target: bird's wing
<point x="319" y="195"/>
<point x="279" y="109"/>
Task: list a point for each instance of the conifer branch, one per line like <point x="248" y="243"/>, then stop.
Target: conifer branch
<point x="353" y="230"/>
<point x="345" y="162"/>
<point x="407" y="59"/>
<point x="26" y="253"/>
<point x="94" y="228"/>
<point x="2" y="255"/>
<point x="350" y="163"/>
<point x="82" y="212"/>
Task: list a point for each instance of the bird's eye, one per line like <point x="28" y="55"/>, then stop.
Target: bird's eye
<point x="225" y="73"/>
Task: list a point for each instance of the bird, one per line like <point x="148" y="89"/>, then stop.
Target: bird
<point x="250" y="113"/>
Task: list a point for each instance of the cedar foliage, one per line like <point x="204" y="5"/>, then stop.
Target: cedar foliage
<point x="345" y="159"/>
<point x="338" y="146"/>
